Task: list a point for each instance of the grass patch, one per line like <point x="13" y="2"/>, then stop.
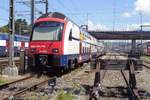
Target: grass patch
<point x="147" y="58"/>
<point x="142" y="80"/>
<point x="35" y="96"/>
<point x="62" y="95"/>
<point x="2" y="81"/>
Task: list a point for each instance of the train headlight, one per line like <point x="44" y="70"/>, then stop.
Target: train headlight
<point x="55" y="50"/>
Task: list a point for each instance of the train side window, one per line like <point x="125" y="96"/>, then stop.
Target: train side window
<point x="70" y="35"/>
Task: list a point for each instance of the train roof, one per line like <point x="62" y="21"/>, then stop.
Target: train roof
<point x="64" y="17"/>
<point x="53" y="15"/>
<point x="5" y="36"/>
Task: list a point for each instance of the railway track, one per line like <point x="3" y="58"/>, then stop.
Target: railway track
<point x="4" y="63"/>
<point x="19" y="87"/>
<point x="146" y="64"/>
<point x="9" y="83"/>
<point x="131" y="83"/>
<point x="133" y="93"/>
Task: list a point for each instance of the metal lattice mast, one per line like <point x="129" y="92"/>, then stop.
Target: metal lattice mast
<point x="11" y="29"/>
<point x="32" y="12"/>
<point x="46" y="5"/>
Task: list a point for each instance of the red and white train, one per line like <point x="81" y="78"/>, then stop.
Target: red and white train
<point x="58" y="42"/>
<point x="144" y="48"/>
<point x="20" y="42"/>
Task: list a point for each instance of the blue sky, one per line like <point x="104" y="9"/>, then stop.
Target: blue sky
<point x="100" y="12"/>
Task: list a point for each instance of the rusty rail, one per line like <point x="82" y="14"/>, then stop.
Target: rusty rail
<point x="19" y="62"/>
<point x="7" y="84"/>
<point x="96" y="90"/>
<point x="131" y="83"/>
<point x="4" y="63"/>
<point x="146" y="64"/>
<point x="31" y="88"/>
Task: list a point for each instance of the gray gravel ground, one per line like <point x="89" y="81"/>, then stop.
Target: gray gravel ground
<point x="143" y="83"/>
<point x="76" y="85"/>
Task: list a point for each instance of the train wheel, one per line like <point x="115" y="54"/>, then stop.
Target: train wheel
<point x="71" y="64"/>
<point x="81" y="64"/>
<point x="63" y="70"/>
<point x="67" y="69"/>
<point x="76" y="63"/>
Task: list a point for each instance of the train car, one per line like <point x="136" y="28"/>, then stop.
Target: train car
<point x="20" y="42"/>
<point x="57" y="42"/>
<point x="3" y="45"/>
<point x="144" y="48"/>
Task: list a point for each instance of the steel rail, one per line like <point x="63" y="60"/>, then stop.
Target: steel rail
<point x="31" y="88"/>
<point x="9" y="83"/>
<point x="146" y="64"/>
<point x="132" y="82"/>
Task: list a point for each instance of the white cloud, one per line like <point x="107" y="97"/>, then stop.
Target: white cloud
<point x="126" y="14"/>
<point x="129" y="27"/>
<point x="142" y="6"/>
<point x="97" y="27"/>
<point x="132" y="27"/>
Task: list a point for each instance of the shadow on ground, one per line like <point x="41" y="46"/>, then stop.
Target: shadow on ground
<point x="117" y="92"/>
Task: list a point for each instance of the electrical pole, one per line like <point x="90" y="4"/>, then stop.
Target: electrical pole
<point x="11" y="70"/>
<point x="114" y="15"/>
<point x="11" y="29"/>
<point x="32" y="12"/>
<point x="141" y="29"/>
<point x="87" y="18"/>
<point x="46" y="4"/>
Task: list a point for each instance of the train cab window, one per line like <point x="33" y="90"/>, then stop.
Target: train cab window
<point x="48" y="30"/>
<point x="70" y="35"/>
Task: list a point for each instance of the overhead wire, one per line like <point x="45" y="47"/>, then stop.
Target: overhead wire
<point x="64" y="7"/>
<point x="114" y="14"/>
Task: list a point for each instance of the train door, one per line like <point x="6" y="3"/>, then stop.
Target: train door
<point x="80" y="48"/>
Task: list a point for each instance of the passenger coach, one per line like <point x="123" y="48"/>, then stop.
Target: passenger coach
<point x="57" y="42"/>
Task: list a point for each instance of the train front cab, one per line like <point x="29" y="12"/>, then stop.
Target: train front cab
<point x="55" y="44"/>
<point x="46" y="43"/>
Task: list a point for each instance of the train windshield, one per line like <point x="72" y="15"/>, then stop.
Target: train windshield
<point x="49" y="30"/>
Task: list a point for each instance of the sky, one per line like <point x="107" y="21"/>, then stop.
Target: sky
<point x="99" y="14"/>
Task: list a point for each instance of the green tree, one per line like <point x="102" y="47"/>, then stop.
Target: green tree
<point x="4" y="29"/>
<point x="21" y="27"/>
